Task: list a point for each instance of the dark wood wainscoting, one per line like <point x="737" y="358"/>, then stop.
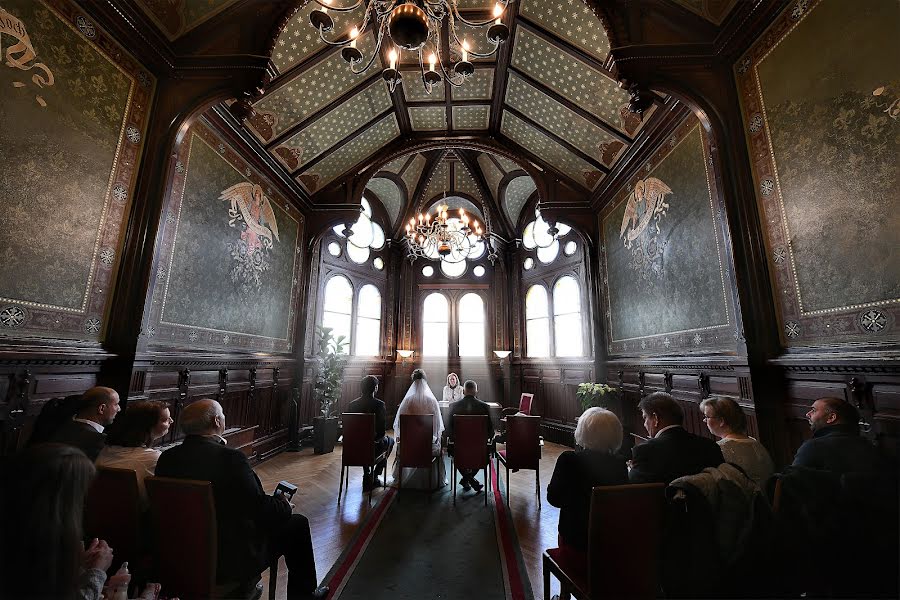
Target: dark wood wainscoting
<point x="554" y="384"/>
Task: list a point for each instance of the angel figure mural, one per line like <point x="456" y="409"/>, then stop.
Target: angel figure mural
<point x="645" y="208"/>
<point x="250" y="211"/>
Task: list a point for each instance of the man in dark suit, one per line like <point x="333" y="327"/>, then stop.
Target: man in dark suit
<point x="836" y="445"/>
<point x="369" y="404"/>
<point x="252" y="526"/>
<point x="672" y="451"/>
<point x="97" y="408"/>
<point x="470" y="405"/>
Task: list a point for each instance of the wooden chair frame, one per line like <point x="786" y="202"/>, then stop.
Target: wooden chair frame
<point x="459" y="419"/>
<point x="345" y="468"/>
<point x="505" y="459"/>
<point x="430" y="466"/>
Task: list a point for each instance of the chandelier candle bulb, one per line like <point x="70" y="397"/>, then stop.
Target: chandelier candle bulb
<point x="392" y="57"/>
<point x="354" y="33"/>
<point x="431" y="61"/>
<point x="325" y="4"/>
<point x="465" y="51"/>
<point x="498" y="13"/>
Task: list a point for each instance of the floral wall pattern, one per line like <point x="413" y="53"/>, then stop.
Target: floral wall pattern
<point x="663" y="256"/>
<point x="824" y="136"/>
<point x="72" y="116"/>
<point x="229" y="256"/>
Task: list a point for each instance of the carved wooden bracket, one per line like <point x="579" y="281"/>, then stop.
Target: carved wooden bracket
<point x="251" y="393"/>
<point x="641" y="378"/>
<point x="184" y="382"/>
<point x="223" y="383"/>
<point x="668" y="379"/>
<point x="857" y="392"/>
<point x="621" y="381"/>
<point x="703" y="385"/>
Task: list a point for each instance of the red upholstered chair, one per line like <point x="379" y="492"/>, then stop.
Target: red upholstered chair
<point x="471" y="448"/>
<point x="623" y="546"/>
<point x="183" y="516"/>
<point x="416" y="432"/>
<point x="112" y="512"/>
<point x="359" y="447"/>
<point x="523" y="450"/>
<point x="526" y="401"/>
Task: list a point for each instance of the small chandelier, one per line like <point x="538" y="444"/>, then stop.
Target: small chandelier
<point x="412" y="25"/>
<point x="451" y="239"/>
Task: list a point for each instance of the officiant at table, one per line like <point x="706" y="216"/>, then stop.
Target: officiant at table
<point x="453" y="391"/>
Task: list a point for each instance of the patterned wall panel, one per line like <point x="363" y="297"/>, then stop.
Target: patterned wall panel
<point x="428" y="118"/>
<point x="230" y="255"/>
<point x="299" y="40"/>
<point x="507" y="164"/>
<point x="412" y="173"/>
<point x="396" y="165"/>
<point x="350" y="154"/>
<point x="389" y="194"/>
<point x="471" y="117"/>
<point x="480" y="86"/>
<point x="824" y="136"/>
<point x="72" y="118"/>
<point x="516" y="195"/>
<point x="305" y="94"/>
<point x="663" y="257"/>
<point x="572" y="20"/>
<point x="492" y="174"/>
<point x="574" y="80"/>
<point x="464" y="182"/>
<point x="414" y="90"/>
<point x="557" y="119"/>
<point x="713" y="11"/>
<point x="549" y="150"/>
<point x="334" y="126"/>
<point x="177" y="17"/>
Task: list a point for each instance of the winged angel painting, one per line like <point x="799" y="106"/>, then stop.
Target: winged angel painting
<point x="645" y="208"/>
<point x="252" y="213"/>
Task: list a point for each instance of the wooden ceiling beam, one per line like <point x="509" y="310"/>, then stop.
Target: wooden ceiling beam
<point x="546" y="167"/>
<point x="501" y="75"/>
<point x="561" y="141"/>
<point x="415" y="103"/>
<point x="306" y="167"/>
<point x="591" y="118"/>
<point x="564" y="45"/>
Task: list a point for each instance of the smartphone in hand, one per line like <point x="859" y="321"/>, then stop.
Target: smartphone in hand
<point x="285" y="489"/>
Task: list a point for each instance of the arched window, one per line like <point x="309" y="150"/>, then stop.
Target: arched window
<point x="435" y="325"/>
<point x="567" y="317"/>
<point x="537" y="322"/>
<point x="338" y="303"/>
<point x="471" y="325"/>
<point x="368" y="322"/>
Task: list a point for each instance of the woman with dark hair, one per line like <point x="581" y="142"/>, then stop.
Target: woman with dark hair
<point x="725" y="419"/>
<point x="42" y="552"/>
<point x="130" y="437"/>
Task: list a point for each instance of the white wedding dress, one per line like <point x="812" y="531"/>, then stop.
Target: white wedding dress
<point x="420" y="400"/>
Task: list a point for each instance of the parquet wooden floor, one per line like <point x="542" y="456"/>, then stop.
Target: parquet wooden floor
<point x="317" y="477"/>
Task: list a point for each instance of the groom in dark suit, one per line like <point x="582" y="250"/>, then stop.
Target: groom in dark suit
<point x="672" y="451"/>
<point x="369" y="404"/>
<point x="470" y="405"/>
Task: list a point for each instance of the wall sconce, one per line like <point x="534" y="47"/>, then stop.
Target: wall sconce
<point x="501" y="354"/>
<point x="404" y="354"/>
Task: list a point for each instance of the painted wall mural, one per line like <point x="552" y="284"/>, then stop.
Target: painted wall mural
<point x="177" y="17"/>
<point x="663" y="255"/>
<point x="229" y="260"/>
<point x="824" y="136"/>
<point x="73" y="109"/>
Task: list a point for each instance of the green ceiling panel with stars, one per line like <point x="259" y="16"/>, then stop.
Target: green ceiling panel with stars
<point x="492" y="174"/>
<point x="517" y="193"/>
<point x="412" y="173"/>
<point x="350" y="154"/>
<point x="390" y="195"/>
<point x="507" y="164"/>
<point x="428" y="118"/>
<point x="396" y="165"/>
<point x="414" y="90"/>
<point x="464" y="182"/>
<point x="571" y="20"/>
<point x="298" y="41"/>
<point x="541" y="146"/>
<point x="480" y="86"/>
<point x="477" y="39"/>
<point x="471" y="117"/>
<point x="439" y="182"/>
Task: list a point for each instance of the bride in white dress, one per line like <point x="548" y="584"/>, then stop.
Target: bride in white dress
<point x="420" y="400"/>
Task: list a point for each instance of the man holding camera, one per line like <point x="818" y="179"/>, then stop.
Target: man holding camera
<point x="252" y="526"/>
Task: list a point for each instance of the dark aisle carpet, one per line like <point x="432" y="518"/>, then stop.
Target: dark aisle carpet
<point x="417" y="546"/>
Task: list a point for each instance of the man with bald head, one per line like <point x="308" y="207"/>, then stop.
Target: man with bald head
<point x="253" y="527"/>
<point x="96" y="409"/>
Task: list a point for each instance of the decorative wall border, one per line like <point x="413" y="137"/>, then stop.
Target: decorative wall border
<point x="703" y="339"/>
<point x="159" y="332"/>
<point x="21" y="318"/>
<point x="869" y="322"/>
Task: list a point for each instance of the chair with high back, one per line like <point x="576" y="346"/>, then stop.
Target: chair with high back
<point x="523" y="449"/>
<point x="414" y="451"/>
<point x="359" y="447"/>
<point x="183" y="517"/>
<point x="113" y="512"/>
<point x="526" y="401"/>
<point x="624" y="538"/>
<point x="471" y="448"/>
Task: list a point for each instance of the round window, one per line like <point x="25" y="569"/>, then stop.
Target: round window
<point x="427" y="270"/>
<point x="451" y="269"/>
<point x="479" y="271"/>
<point x="570" y="248"/>
<point x="334" y="249"/>
<point x="357" y="254"/>
<point x="378" y="262"/>
<point x="529" y="263"/>
<point x="548" y="255"/>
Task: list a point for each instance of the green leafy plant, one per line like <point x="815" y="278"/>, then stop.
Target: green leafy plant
<point x="595" y="394"/>
<point x="332" y="359"/>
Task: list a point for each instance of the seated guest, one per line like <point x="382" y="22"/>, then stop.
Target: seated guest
<point x="452" y="391"/>
<point x="672" y="451"/>
<point x="470" y="405"/>
<point x="369" y="404"/>
<point x="130" y="437"/>
<point x="726" y="420"/>
<point x="577" y="472"/>
<point x="252" y="526"/>
<point x="420" y="400"/>
<point x="97" y="409"/>
<point x="836" y="445"/>
<point x="42" y="554"/>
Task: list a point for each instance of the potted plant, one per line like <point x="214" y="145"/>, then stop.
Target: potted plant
<point x="596" y="394"/>
<point x="332" y="359"/>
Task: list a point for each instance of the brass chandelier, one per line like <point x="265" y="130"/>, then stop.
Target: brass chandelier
<point x="451" y="239"/>
<point x="415" y="26"/>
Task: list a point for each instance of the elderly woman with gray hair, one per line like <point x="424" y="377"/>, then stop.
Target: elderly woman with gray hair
<point x="577" y="472"/>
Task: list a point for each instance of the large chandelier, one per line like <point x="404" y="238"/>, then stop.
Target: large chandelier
<point x="415" y="26"/>
<point x="452" y="239"/>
